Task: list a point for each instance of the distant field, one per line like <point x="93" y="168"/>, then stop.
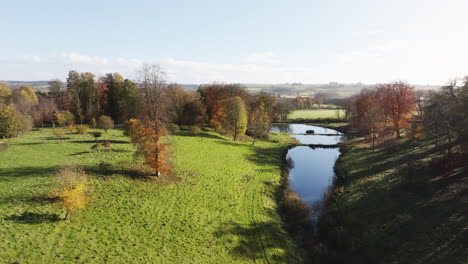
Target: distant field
<point x="221" y="210"/>
<point x="315" y="114"/>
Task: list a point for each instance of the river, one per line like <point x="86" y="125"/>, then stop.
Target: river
<point x="312" y="171"/>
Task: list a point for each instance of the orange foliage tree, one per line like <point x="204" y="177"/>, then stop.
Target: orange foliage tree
<point x="397" y="101"/>
<point x="155" y="112"/>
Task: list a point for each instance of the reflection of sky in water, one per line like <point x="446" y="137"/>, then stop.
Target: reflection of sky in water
<point x="301" y="129"/>
<point x="325" y="140"/>
<point x="312" y="173"/>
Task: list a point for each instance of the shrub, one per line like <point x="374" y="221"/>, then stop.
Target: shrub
<point x="71" y="192"/>
<point x="310" y="132"/>
<point x="59" y="118"/>
<point x="71" y="128"/>
<point x="59" y="133"/>
<point x="173" y="128"/>
<point x="13" y="122"/>
<point x="105" y="122"/>
<point x="93" y="122"/>
<point x="131" y="128"/>
<point x="216" y="125"/>
<point x="195" y="129"/>
<point x="69" y="117"/>
<point x="82" y="129"/>
<point x="106" y="144"/>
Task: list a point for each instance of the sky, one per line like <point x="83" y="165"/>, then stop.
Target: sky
<point x="241" y="41"/>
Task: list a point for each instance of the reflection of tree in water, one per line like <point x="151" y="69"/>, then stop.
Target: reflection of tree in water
<point x="283" y="128"/>
<point x="289" y="163"/>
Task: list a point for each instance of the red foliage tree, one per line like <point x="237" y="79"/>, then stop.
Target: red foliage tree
<point x="397" y="100"/>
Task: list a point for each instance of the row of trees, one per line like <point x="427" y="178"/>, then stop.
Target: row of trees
<point x="149" y="102"/>
<point x="396" y="108"/>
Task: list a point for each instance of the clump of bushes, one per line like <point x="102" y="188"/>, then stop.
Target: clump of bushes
<point x="13" y="122"/>
<point x="310" y="132"/>
<point x="71" y="191"/>
<point x="82" y="129"/>
<point x="59" y="133"/>
<point x="71" y="128"/>
<point x="105" y="144"/>
<point x="195" y="129"/>
<point x="131" y="128"/>
<point x="173" y="128"/>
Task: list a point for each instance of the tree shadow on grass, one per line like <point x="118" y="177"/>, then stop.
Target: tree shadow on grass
<point x="106" y="150"/>
<point x="100" y="141"/>
<point x="201" y="134"/>
<point x="26" y="143"/>
<point x="7" y="174"/>
<point x="34" y="218"/>
<point x="36" y="199"/>
<point x="255" y="242"/>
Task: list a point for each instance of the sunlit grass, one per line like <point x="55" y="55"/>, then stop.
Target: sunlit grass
<point x="316" y="114"/>
<point x="221" y="208"/>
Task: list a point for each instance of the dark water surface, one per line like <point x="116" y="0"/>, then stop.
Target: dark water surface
<point x="312" y="172"/>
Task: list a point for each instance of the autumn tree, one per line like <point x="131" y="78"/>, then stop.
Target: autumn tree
<point x="44" y="111"/>
<point x="5" y="93"/>
<point x="259" y="124"/>
<point x="13" y="122"/>
<point x="236" y="116"/>
<point x="155" y="112"/>
<point x="71" y="191"/>
<point x="397" y="101"/>
<point x="105" y="123"/>
<point x="214" y="96"/>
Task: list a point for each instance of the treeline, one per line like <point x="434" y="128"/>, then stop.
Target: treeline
<point x="396" y="109"/>
<point x="149" y="106"/>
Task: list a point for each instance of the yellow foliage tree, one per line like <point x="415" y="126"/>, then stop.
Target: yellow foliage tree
<point x="71" y="193"/>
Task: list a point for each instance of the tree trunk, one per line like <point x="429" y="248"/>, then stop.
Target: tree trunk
<point x="67" y="216"/>
<point x="253" y="143"/>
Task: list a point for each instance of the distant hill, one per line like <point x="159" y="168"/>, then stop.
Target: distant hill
<point x="332" y="89"/>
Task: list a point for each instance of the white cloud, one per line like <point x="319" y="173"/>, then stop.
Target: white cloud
<point x="415" y="62"/>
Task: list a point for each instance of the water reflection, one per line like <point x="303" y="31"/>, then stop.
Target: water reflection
<point x="311" y="170"/>
<point x="301" y="129"/>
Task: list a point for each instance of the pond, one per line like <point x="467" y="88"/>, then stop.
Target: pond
<point x="312" y="171"/>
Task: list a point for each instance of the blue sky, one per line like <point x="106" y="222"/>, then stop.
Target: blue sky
<point x="420" y="41"/>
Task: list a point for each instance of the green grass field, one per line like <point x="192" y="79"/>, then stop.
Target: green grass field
<point x="316" y="114"/>
<point x="383" y="219"/>
<point x="222" y="208"/>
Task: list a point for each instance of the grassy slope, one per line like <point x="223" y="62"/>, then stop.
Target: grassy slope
<point x="222" y="210"/>
<point x="390" y="222"/>
<point x="314" y="114"/>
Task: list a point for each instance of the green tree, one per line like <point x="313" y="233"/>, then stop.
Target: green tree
<point x="5" y="93"/>
<point x="236" y="116"/>
<point x="13" y="122"/>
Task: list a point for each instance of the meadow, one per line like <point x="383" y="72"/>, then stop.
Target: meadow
<point x="316" y="114"/>
<point x="397" y="207"/>
<point x="218" y="207"/>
